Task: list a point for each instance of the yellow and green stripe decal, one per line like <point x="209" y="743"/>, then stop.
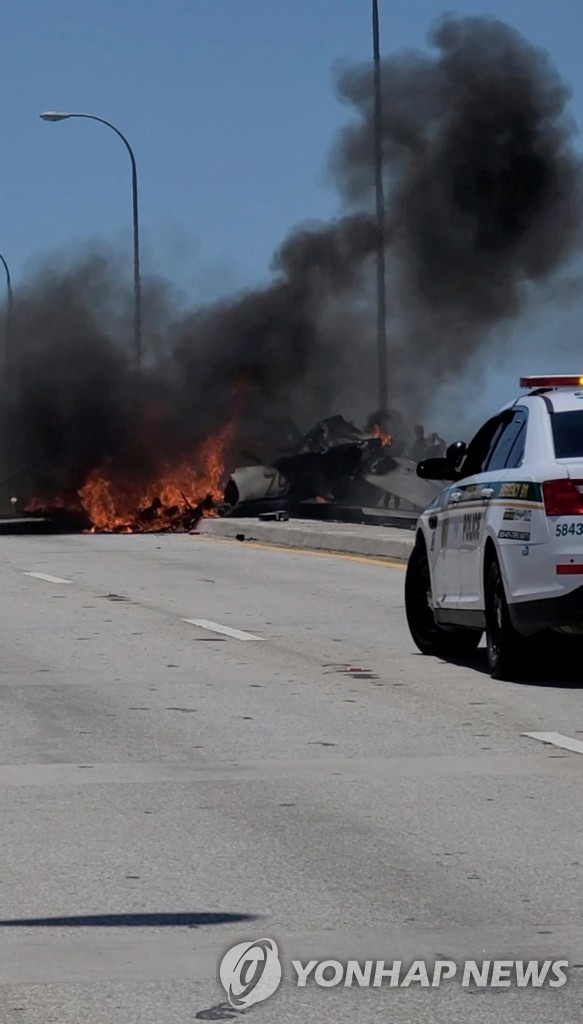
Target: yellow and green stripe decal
<point x="506" y="491"/>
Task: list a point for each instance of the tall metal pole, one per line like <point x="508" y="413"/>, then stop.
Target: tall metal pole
<point x="9" y="354"/>
<point x="380" y="212"/>
<point x="58" y="116"/>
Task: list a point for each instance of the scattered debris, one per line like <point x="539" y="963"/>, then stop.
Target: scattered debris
<point x="278" y="517"/>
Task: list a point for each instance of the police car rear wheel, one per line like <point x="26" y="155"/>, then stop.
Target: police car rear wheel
<point x="428" y="636"/>
<point x="504" y="645"/>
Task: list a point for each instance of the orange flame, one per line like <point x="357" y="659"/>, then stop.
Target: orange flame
<point x="385" y="438"/>
<point x="123" y="505"/>
<point x="116" y="503"/>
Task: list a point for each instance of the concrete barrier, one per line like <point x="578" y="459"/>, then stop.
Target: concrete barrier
<point x="391" y="543"/>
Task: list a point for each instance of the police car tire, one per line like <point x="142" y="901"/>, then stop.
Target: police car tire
<point x="428" y="636"/>
<point x="505" y="647"/>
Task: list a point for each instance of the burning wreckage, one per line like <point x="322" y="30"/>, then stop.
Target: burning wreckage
<point x="334" y="471"/>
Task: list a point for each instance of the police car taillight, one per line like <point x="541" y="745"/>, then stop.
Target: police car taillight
<point x="563" y="497"/>
<point x="556" y="381"/>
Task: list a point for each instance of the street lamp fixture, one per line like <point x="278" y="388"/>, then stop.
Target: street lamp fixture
<point x="53" y="115"/>
<point x="58" y="115"/>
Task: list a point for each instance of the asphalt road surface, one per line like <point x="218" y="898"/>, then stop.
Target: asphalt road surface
<point x="204" y="742"/>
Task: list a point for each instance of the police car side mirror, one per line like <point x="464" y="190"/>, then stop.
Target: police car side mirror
<point x="456" y="452"/>
<point x="436" y="469"/>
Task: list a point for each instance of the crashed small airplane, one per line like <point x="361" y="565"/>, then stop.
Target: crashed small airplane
<point x="336" y="465"/>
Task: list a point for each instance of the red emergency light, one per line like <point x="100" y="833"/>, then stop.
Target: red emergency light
<point x="561" y="380"/>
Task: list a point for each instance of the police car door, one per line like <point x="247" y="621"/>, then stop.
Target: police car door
<point x="505" y="454"/>
<point x="460" y="519"/>
<point x="443" y="555"/>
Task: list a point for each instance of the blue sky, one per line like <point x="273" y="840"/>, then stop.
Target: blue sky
<point x="229" y="105"/>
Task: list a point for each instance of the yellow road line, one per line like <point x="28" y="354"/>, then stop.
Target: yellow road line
<point x="387" y="563"/>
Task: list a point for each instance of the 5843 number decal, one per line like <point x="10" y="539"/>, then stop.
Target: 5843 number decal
<point x="565" y="529"/>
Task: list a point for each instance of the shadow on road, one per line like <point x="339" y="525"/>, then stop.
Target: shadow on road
<point x="194" y="920"/>
<point x="557" y="666"/>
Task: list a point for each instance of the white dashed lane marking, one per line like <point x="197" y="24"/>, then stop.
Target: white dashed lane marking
<point x="557" y="740"/>
<point x="45" y="576"/>
<point x="216" y="627"/>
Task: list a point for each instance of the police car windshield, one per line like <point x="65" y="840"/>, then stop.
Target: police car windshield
<point x="568" y="434"/>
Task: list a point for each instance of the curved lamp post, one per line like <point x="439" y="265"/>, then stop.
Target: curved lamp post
<point x="9" y="308"/>
<point x="56" y="115"/>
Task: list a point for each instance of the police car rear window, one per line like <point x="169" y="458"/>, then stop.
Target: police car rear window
<point x="568" y="434"/>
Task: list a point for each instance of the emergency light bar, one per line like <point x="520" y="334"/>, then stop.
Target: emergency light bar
<point x="558" y="381"/>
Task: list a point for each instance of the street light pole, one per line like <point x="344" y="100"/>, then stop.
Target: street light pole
<point x="9" y="354"/>
<point x="53" y="115"/>
<point x="380" y="212"/>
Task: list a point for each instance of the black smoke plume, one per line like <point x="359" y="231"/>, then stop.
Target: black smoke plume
<point x="484" y="204"/>
<point x="484" y="187"/>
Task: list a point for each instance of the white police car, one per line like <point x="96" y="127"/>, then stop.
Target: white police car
<point x="500" y="550"/>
